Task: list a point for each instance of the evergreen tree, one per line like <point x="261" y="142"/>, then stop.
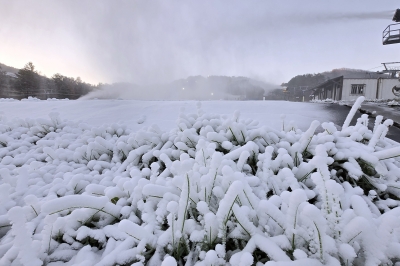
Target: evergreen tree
<point x="254" y="93"/>
<point x="2" y="77"/>
<point x="82" y="88"/>
<point x="65" y="86"/>
<point x="2" y="82"/>
<point x="28" y="83"/>
<point x="307" y="80"/>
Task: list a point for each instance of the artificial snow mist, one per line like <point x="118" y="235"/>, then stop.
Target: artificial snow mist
<point x="215" y="190"/>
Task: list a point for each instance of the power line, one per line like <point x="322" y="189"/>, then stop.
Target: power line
<point x="374" y="67"/>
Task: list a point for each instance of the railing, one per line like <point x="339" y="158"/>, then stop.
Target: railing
<point x="391" y="34"/>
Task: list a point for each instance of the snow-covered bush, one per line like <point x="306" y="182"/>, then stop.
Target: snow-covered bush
<point x="393" y="103"/>
<point x="216" y="190"/>
<point x="7" y="100"/>
<point x="327" y="100"/>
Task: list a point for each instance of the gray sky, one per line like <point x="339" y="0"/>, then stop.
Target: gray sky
<point x="157" y="41"/>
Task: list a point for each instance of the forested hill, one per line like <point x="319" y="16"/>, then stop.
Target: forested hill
<point x="351" y="73"/>
<point x="311" y="80"/>
<point x="27" y="81"/>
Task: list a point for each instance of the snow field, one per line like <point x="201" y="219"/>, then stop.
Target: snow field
<point x="214" y="190"/>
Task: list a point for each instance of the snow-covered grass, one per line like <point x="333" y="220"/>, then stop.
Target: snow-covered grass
<point x="328" y="100"/>
<point x="388" y="102"/>
<point x="213" y="190"/>
<point x="382" y="100"/>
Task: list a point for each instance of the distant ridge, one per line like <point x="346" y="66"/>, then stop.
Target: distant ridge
<point x="352" y="73"/>
<point x="310" y="80"/>
<point x="8" y="68"/>
<point x="297" y="87"/>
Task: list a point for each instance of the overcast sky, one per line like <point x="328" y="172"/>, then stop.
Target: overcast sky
<point x="157" y="41"/>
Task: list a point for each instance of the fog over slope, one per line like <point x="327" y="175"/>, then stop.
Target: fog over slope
<point x="191" y="88"/>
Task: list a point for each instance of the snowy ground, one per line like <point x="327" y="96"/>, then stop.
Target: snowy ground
<point x="163" y="113"/>
<point x="204" y="186"/>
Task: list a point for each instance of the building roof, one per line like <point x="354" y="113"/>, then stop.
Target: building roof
<point x="329" y="82"/>
<point x="337" y="80"/>
<point x="396" y="16"/>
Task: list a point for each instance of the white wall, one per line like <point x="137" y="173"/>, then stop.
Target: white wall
<point x="369" y="91"/>
<point x="385" y="88"/>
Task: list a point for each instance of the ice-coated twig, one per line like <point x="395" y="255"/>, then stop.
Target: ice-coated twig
<point x="388" y="153"/>
<point x="353" y="110"/>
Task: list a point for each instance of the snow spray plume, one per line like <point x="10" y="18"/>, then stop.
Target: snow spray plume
<point x="339" y="16"/>
<point x="360" y="15"/>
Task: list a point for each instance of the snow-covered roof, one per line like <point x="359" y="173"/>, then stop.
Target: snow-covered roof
<point x="329" y="82"/>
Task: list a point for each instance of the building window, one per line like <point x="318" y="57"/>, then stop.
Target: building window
<point x="357" y="89"/>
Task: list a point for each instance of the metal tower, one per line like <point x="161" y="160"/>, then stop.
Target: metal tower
<point x="392" y="32"/>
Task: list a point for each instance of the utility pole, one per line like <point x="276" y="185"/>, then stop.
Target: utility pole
<point x="303" y="89"/>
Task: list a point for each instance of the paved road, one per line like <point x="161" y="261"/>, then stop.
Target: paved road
<point x="384" y="110"/>
<point x="339" y="114"/>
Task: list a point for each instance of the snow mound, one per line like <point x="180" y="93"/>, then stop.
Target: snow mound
<point x="7" y="100"/>
<point x="215" y="190"/>
<point x="141" y="119"/>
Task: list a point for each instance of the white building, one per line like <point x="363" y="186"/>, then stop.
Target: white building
<point x="351" y="88"/>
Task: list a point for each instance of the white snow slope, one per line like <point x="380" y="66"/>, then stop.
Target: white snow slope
<point x="162" y="113"/>
<point x="173" y="187"/>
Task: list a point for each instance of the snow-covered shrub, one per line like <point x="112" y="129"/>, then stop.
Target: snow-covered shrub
<point x="7" y="100"/>
<point x="327" y="100"/>
<point x="216" y="190"/>
<point x="393" y="103"/>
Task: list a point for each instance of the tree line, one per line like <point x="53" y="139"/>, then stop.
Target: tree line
<point x="28" y="82"/>
<point x="298" y="88"/>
